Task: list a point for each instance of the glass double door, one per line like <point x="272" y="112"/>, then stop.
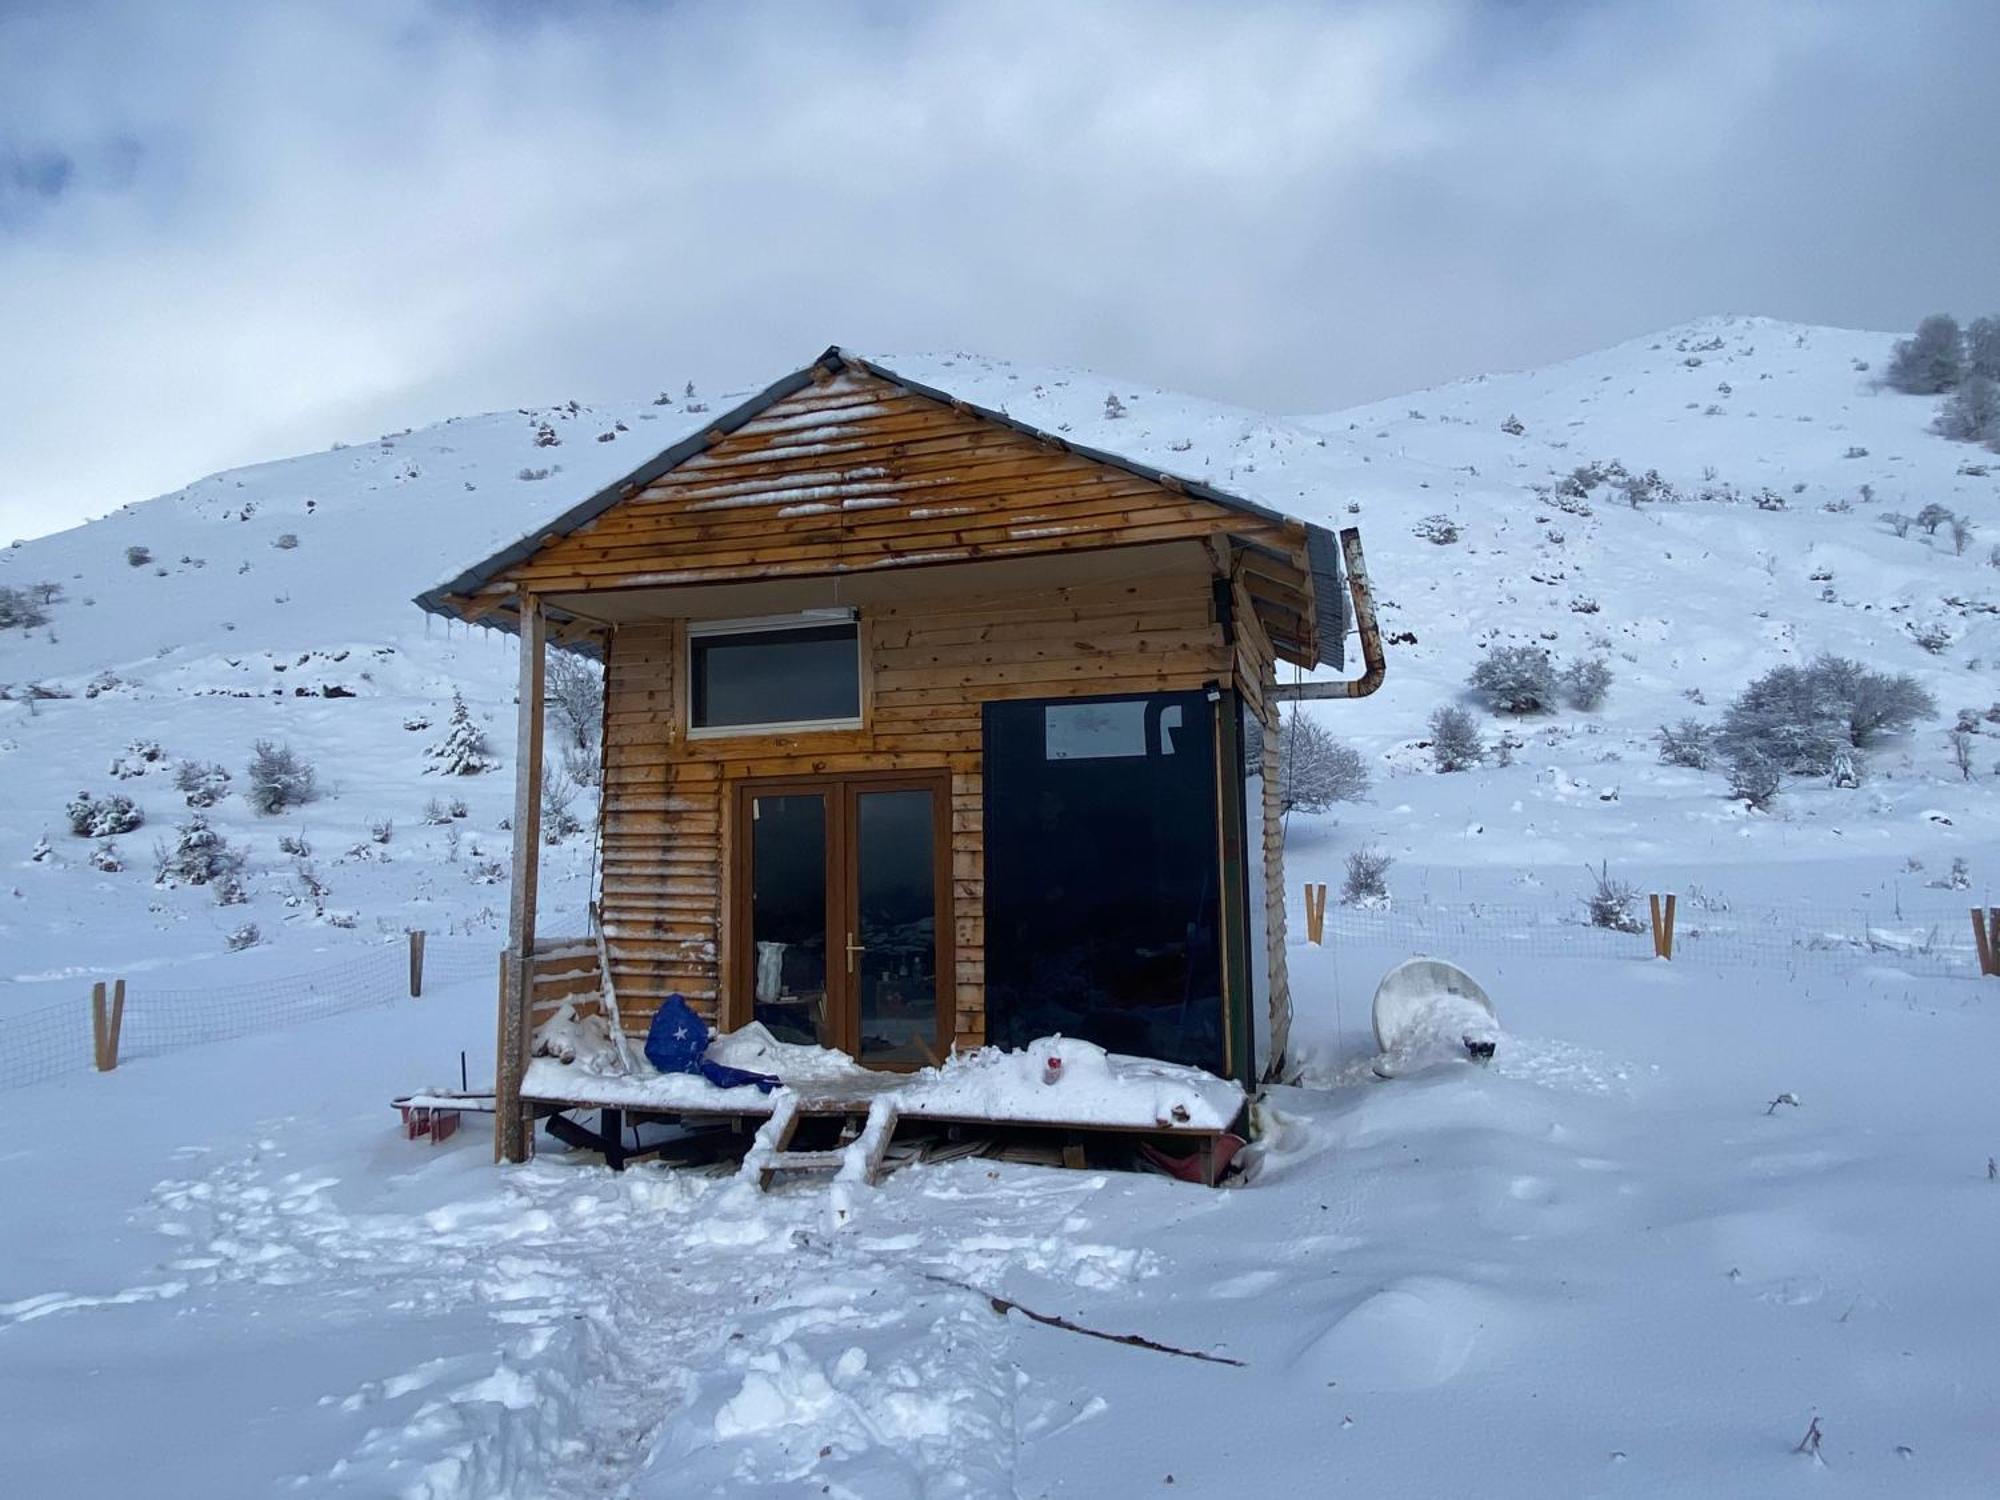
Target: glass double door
<point x="843" y="896"/>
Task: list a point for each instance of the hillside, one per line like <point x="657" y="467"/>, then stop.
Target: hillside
<point x="229" y="633"/>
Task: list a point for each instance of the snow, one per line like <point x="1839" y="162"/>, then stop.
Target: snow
<point x="1603" y="1263"/>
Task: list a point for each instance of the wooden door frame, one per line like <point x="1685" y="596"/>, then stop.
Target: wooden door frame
<point x="839" y="791"/>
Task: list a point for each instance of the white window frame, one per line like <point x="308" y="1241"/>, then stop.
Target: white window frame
<point x="816" y="619"/>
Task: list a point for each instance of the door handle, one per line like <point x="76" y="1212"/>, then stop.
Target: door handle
<point x="852" y="949"/>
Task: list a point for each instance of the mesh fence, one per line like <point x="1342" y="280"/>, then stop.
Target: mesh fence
<point x="1932" y="941"/>
<point x="51" y="1038"/>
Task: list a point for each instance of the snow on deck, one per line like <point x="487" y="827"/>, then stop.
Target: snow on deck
<point x="1096" y="1088"/>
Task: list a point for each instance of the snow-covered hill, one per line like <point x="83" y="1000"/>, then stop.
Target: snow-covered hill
<point x="273" y="603"/>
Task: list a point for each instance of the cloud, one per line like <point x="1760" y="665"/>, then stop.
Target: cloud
<point x="231" y="239"/>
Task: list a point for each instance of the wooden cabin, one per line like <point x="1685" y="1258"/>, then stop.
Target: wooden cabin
<point x="923" y="729"/>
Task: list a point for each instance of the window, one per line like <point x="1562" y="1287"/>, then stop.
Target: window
<point x="762" y="674"/>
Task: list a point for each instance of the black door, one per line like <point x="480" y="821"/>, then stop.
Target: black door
<point x="1102" y="916"/>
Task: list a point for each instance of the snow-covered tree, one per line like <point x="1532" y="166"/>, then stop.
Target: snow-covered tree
<point x="199" y="855"/>
<point x="1971" y="414"/>
<point x="1455" y="742"/>
<point x="1584" y="683"/>
<point x="463" y="751"/>
<point x="1689" y="743"/>
<point x="102" y="817"/>
<point x="1982" y="348"/>
<point x="1315" y="770"/>
<point x="1516" y="679"/>
<point x="1932" y="362"/>
<point x="1366" y="883"/>
<point x="576" y="695"/>
<point x="278" y="777"/>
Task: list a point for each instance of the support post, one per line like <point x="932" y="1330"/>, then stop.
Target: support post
<point x="117" y="1026"/>
<point x="416" y="963"/>
<point x="1233" y="907"/>
<point x="1315" y="913"/>
<point x="100" y="1025"/>
<point x="513" y="1133"/>
<point x="1986" y="936"/>
<point x="1663" y="925"/>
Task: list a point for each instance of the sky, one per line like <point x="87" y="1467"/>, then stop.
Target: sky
<point x="236" y="231"/>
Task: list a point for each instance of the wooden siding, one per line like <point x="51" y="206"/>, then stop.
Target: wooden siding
<point x="857" y="474"/>
<point x="930" y="664"/>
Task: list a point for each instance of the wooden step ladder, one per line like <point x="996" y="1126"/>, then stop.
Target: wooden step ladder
<point x="771" y="1152"/>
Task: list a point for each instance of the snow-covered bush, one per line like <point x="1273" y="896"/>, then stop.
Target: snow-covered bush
<point x="101" y="817"/>
<point x="19" y="608"/>
<point x="1689" y="743"/>
<point x="1961" y="529"/>
<point x="1114" y="409"/>
<point x="1584" y="683"/>
<point x="1516" y="679"/>
<point x="1932" y="362"/>
<point x="1754" y="777"/>
<point x="580" y="766"/>
<point x="1315" y="770"/>
<point x="575" y="691"/>
<point x="1961" y="753"/>
<point x="1971" y="414"/>
<point x="1795" y="717"/>
<point x="202" y="785"/>
<point x="1512" y="426"/>
<point x="106" y="857"/>
<point x="294" y="844"/>
<point x="1898" y="523"/>
<point x="1367" y="879"/>
<point x="1982" y="348"/>
<point x="199" y="855"/>
<point x="137" y="758"/>
<point x="1933" y="635"/>
<point x="287" y="541"/>
<point x="381" y="830"/>
<point x="1609" y="903"/>
<point x="278" y="778"/>
<point x="1455" y="739"/>
<point x="246" y="936"/>
<point x="1441" y="530"/>
<point x="1933" y="516"/>
<point x="138" y="557"/>
<point x="559" y="820"/>
<point x="463" y="751"/>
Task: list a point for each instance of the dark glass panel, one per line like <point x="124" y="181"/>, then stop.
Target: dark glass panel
<point x="896" y="960"/>
<point x="788" y="916"/>
<point x="775" y="676"/>
<point x="1102" y="918"/>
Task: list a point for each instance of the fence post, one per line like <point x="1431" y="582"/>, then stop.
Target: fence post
<point x="1986" y="935"/>
<point x="416" y="963"/>
<point x="1663" y="926"/>
<point x="1315" y="913"/>
<point x="100" y="1023"/>
<point x="117" y="1026"/>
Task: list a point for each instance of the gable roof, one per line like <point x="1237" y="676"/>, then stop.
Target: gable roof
<point x="1322" y="548"/>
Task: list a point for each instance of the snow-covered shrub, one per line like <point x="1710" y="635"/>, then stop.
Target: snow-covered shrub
<point x="107" y="858"/>
<point x="436" y="814"/>
<point x="287" y="541"/>
<point x="101" y="817"/>
<point x="1455" y="739"/>
<point x="1961" y="529"/>
<point x="199" y="855"/>
<point x="294" y="844"/>
<point x="1932" y="362"/>
<point x="246" y="936"/>
<point x="1316" y="770"/>
<point x="1516" y="679"/>
<point x="575" y="690"/>
<point x="1114" y="409"/>
<point x="1367" y="879"/>
<point x="1441" y="530"/>
<point x="202" y="785"/>
<point x="463" y="751"/>
<point x="1897" y="522"/>
<point x="18" y="608"/>
<point x="1961" y="752"/>
<point x="138" y="557"/>
<point x="278" y="778"/>
<point x="43" y="852"/>
<point x="1795" y="717"/>
<point x="1933" y="635"/>
<point x="559" y="820"/>
<point x="1754" y="777"/>
<point x="312" y="890"/>
<point x="1982" y="348"/>
<point x="1609" y="903"/>
<point x="1971" y="414"/>
<point x="1689" y="743"/>
<point x="381" y="830"/>
<point x="1584" y="683"/>
<point x="137" y="758"/>
<point x="580" y="766"/>
<point x="1933" y="516"/>
<point x="1845" y="772"/>
<point x="1512" y="426"/>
